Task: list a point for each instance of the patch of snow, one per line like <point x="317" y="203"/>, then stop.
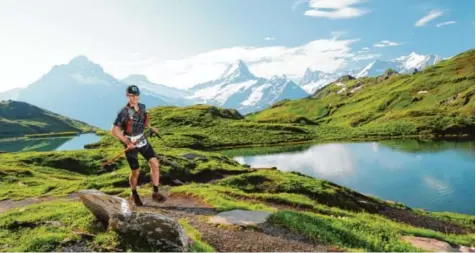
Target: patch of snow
<point x="227" y="91"/>
<point x="356" y="89"/>
<point x="256" y="95"/>
<point x="342" y="90"/>
<point x="314" y="86"/>
<point x="221" y="92"/>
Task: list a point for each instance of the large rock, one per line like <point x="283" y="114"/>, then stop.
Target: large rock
<point x="145" y="231"/>
<point x="103" y="206"/>
<point x="240" y="217"/>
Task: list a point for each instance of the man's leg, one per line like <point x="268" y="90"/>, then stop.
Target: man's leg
<point x="134" y="178"/>
<point x="154" y="171"/>
<point x="134" y="175"/>
<point x="151" y="157"/>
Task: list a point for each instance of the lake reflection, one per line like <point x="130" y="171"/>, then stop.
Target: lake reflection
<point x="438" y="176"/>
<point x="48" y="144"/>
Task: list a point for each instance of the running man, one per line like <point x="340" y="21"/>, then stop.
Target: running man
<point x="129" y="128"/>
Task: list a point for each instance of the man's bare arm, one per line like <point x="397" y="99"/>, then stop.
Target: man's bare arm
<point x="117" y="132"/>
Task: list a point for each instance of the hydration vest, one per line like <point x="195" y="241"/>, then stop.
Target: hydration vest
<point x="131" y="112"/>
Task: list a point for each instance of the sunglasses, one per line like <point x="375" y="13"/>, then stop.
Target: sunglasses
<point x="133" y="95"/>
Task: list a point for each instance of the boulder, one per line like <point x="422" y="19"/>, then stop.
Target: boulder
<point x="103" y="206"/>
<point x="151" y="231"/>
<point x="240" y="217"/>
<point x="144" y="231"/>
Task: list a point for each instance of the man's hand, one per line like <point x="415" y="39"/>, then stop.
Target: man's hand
<point x="155" y="130"/>
<point x="131" y="145"/>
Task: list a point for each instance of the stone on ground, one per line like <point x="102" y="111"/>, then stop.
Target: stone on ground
<point x="142" y="230"/>
<point x="240" y="217"/>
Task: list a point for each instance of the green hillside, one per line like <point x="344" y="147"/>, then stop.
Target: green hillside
<point x="438" y="100"/>
<point x="206" y="126"/>
<point x="21" y="119"/>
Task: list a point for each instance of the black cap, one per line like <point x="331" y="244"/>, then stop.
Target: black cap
<point x="133" y="89"/>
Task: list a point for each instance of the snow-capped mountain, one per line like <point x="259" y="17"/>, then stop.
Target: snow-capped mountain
<point x="81" y="90"/>
<point x="238" y="88"/>
<point x="315" y="80"/>
<point x="270" y="92"/>
<point x="168" y="94"/>
<point x="416" y="61"/>
<point x="403" y="64"/>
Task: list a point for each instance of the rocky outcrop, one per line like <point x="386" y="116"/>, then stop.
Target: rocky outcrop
<point x="345" y="78"/>
<point x="240" y="217"/>
<point x="388" y="73"/>
<point x="145" y="231"/>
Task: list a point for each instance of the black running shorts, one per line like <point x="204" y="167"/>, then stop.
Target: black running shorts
<point x="146" y="151"/>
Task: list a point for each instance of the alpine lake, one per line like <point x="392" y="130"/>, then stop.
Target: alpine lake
<point x="435" y="175"/>
<point x="427" y="174"/>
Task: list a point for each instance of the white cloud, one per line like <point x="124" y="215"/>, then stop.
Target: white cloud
<point x="375" y="147"/>
<point x="429" y="17"/>
<point x="387" y="43"/>
<point x="335" y="9"/>
<point x="445" y="23"/>
<point x="365" y="48"/>
<point x="269" y="38"/>
<point x="326" y="55"/>
<point x="330" y="161"/>
<point x="436" y="184"/>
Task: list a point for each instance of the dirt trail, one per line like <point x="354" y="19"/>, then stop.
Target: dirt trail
<point x="264" y="238"/>
<point x="9" y="204"/>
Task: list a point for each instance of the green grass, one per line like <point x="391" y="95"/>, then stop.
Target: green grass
<point x="220" y="200"/>
<point x="33" y="228"/>
<point x="364" y="232"/>
<point x="464" y="220"/>
<point x="228" y="198"/>
<point x="321" y="191"/>
<point x="198" y="245"/>
<point x="207" y="127"/>
<point x="347" y="234"/>
<point x="59" y="173"/>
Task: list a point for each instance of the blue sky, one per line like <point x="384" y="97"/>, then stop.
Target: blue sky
<point x="179" y="43"/>
<point x="246" y="22"/>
